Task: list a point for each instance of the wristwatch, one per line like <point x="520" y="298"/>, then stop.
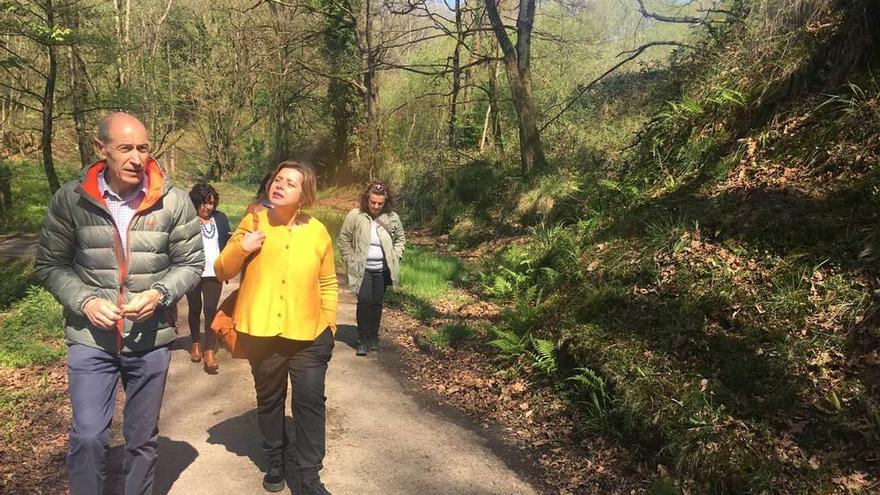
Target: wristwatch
<point x="166" y="296"/>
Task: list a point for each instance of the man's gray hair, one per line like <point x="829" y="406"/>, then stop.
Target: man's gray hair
<point x="104" y="129"/>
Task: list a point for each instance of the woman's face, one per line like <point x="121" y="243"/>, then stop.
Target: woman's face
<point x="206" y="209"/>
<point x="285" y="190"/>
<point x="375" y="203"/>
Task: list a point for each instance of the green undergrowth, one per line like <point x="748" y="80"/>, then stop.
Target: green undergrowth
<point x="30" y="193"/>
<point x="707" y="295"/>
<point x="731" y="363"/>
<point x="451" y="334"/>
<point x="17" y="276"/>
<point x="31" y="331"/>
<point x="425" y="277"/>
<point x="234" y="199"/>
<point x="331" y="218"/>
<point x="19" y="405"/>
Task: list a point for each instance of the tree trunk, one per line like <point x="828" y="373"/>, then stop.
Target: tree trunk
<point x="371" y="115"/>
<point x="467" y="89"/>
<point x="48" y="104"/>
<point x="531" y="151"/>
<point x="79" y="98"/>
<point x="126" y="35"/>
<point x="517" y="61"/>
<point x="117" y="24"/>
<point x="339" y="93"/>
<point x="371" y="95"/>
<point x="494" y="113"/>
<point x="456" y="78"/>
<point x="5" y="189"/>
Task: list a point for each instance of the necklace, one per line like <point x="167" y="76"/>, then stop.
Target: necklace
<point x="209" y="230"/>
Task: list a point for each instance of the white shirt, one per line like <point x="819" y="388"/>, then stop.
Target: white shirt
<point x="211" y="246"/>
<point x="123" y="209"/>
<point x="375" y="255"/>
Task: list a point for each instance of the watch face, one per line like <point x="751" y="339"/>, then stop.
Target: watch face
<point x="163" y="301"/>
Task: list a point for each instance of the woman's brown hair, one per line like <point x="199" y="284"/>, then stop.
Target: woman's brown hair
<point x="309" y="184"/>
<point x="381" y="189"/>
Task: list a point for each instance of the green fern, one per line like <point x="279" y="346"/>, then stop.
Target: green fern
<point x="544" y="357"/>
<point x="508" y="343"/>
<point x="590" y="388"/>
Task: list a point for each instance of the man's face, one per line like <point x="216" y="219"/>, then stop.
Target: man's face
<point x="126" y="152"/>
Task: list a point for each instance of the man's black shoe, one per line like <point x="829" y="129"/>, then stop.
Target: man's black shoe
<point x="274" y="479"/>
<point x="374" y="344"/>
<point x="362" y="349"/>
<point x="314" y="487"/>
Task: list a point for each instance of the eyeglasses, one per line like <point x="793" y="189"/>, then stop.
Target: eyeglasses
<point x="377" y="188"/>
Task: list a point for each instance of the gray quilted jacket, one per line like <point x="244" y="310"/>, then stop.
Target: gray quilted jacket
<point x="79" y="256"/>
<point x="354" y="243"/>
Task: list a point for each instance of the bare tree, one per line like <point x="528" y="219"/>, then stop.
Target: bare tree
<point x="517" y="61"/>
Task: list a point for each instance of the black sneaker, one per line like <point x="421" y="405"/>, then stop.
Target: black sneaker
<point x="374" y="344"/>
<point x="314" y="487"/>
<point x="274" y="479"/>
<point x="362" y="349"/>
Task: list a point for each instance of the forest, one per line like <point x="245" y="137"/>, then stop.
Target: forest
<point x="673" y="202"/>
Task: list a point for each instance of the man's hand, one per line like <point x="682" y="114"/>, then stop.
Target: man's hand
<point x="142" y="305"/>
<point x="102" y="313"/>
<point x="253" y="241"/>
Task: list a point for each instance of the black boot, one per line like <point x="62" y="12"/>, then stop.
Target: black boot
<point x="274" y="479"/>
<point x="362" y="348"/>
<point x="374" y="343"/>
<point x="313" y="487"/>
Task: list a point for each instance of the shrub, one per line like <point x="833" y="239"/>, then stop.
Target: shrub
<point x="17" y="276"/>
<point x="32" y="332"/>
<point x="450" y="334"/>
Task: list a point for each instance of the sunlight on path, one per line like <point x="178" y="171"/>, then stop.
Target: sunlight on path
<point x="380" y="440"/>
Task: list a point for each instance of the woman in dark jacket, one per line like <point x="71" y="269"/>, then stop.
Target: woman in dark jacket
<point x="215" y="233"/>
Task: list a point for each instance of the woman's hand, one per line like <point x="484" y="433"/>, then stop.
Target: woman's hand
<point x="253" y="241"/>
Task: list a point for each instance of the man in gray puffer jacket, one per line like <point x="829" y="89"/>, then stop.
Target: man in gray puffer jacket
<point x="118" y="248"/>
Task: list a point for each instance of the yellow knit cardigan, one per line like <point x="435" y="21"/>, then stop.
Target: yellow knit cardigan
<point x="289" y="288"/>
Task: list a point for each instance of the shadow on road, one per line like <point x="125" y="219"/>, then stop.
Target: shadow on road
<point x="241" y="436"/>
<point x="347" y="334"/>
<point x="174" y="458"/>
<point x="181" y="343"/>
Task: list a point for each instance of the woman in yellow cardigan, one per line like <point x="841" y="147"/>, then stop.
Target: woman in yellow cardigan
<point x="286" y="313"/>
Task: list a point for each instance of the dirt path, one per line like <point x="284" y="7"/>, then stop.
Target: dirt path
<point x="17" y="245"/>
<point x="381" y="439"/>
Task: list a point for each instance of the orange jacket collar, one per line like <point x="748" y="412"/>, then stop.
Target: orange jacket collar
<point x="157" y="183"/>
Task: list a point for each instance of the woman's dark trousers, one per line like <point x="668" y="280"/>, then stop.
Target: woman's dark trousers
<point x="272" y="360"/>
<point x="369" y="305"/>
<point x="207" y="290"/>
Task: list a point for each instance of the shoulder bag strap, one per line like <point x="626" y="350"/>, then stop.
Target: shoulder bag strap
<point x="250" y="257"/>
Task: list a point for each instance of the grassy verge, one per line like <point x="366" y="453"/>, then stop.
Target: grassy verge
<point x="710" y="295"/>
<point x="16" y="274"/>
<point x="30" y="333"/>
<point x="426" y="277"/>
<point x="234" y="199"/>
<point x="331" y="218"/>
<point x="30" y="194"/>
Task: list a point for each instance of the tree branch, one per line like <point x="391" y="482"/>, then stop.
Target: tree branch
<point x="633" y="55"/>
<point x="666" y="18"/>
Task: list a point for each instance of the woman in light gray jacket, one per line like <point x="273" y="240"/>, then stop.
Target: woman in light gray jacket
<point x="371" y="242"/>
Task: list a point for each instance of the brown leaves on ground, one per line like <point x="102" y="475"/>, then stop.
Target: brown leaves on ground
<point x="530" y="416"/>
<point x="424" y="238"/>
<point x="341" y="199"/>
<point x="35" y="421"/>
